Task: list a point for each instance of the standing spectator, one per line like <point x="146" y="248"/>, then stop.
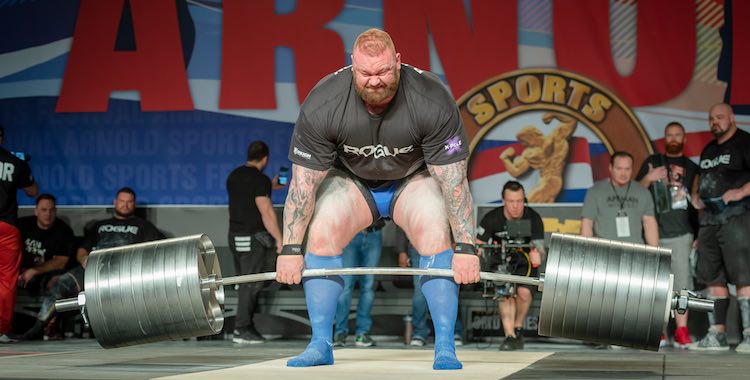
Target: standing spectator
<point x="363" y="251"/>
<point x="618" y="208"/>
<point x="16" y="174"/>
<point x="724" y="236"/>
<point x="515" y="303"/>
<point x="48" y="247"/>
<point x="409" y="257"/>
<point x="254" y="233"/>
<point x="123" y="228"/>
<point x="671" y="177"/>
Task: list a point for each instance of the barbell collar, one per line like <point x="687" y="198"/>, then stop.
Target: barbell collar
<point x="686" y="300"/>
<point x="70" y="304"/>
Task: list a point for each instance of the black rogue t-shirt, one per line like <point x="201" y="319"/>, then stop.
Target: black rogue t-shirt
<point x="115" y="232"/>
<point x="244" y="184"/>
<point x="14" y="174"/>
<point x="421" y="125"/>
<point x="723" y="167"/>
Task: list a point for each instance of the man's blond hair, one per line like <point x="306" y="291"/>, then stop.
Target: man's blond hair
<point x="374" y="42"/>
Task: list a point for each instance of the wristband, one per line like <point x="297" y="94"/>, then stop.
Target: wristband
<point x="291" y="250"/>
<point x="465" y="248"/>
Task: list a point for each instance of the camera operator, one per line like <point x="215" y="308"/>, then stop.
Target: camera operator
<point x="520" y="255"/>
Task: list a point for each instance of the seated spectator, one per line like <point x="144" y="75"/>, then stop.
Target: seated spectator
<point x="47" y="245"/>
<point x="47" y="249"/>
<point x="122" y="229"/>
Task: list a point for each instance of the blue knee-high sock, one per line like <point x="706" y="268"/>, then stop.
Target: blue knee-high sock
<point x="442" y="298"/>
<point x="321" y="294"/>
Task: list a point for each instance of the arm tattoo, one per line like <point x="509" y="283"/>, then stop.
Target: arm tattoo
<point x="300" y="202"/>
<point x="458" y="202"/>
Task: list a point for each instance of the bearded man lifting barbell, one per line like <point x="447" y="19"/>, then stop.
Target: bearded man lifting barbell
<point x="373" y="140"/>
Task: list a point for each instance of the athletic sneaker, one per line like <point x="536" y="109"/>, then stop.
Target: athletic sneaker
<point x="663" y="342"/>
<point x="5" y="339"/>
<point x="339" y="340"/>
<point x="682" y="337"/>
<point x="417" y="342"/>
<point x="519" y="335"/>
<point x="713" y="341"/>
<point x="247" y="335"/>
<point x="51" y="332"/>
<point x="744" y="346"/>
<point x="363" y="340"/>
<point x="511" y="343"/>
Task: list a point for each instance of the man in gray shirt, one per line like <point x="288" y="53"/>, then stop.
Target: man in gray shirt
<point x="618" y="208"/>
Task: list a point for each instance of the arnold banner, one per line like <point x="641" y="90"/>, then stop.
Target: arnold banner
<point x="164" y="95"/>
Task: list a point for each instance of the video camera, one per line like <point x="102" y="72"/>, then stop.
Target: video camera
<point x="508" y="254"/>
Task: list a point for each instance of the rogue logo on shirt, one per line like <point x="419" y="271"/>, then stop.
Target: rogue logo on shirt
<point x="302" y="154"/>
<point x="709" y="163"/>
<point x="377" y="151"/>
<point x="119" y="229"/>
<point x="6" y="171"/>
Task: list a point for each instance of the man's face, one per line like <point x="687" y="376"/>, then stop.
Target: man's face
<point x="376" y="77"/>
<point x="513" y="202"/>
<point x="45" y="212"/>
<point x="621" y="170"/>
<point x="124" y="205"/>
<point x="720" y="120"/>
<point x="674" y="139"/>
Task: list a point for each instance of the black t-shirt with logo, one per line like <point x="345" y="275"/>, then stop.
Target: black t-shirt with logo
<point x="495" y="222"/>
<point x="724" y="167"/>
<point x="682" y="171"/>
<point x="39" y="245"/>
<point x="421" y="125"/>
<point x="244" y="184"/>
<point x="14" y="174"/>
<point x="115" y="232"/>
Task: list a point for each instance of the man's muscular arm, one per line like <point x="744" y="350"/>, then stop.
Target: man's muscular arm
<point x="457" y="197"/>
<point x="298" y="210"/>
<point x="300" y="202"/>
<point x="514" y="166"/>
<point x="738" y="194"/>
<point x="566" y="127"/>
<point x="458" y="203"/>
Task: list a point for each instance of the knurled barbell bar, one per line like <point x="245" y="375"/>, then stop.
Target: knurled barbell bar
<point x="593" y="289"/>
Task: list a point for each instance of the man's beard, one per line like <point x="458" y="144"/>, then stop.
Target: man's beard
<point x="718" y="132"/>
<point x="674" y="148"/>
<point x="379" y="97"/>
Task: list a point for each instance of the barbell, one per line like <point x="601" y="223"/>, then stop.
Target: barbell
<point x="593" y="289"/>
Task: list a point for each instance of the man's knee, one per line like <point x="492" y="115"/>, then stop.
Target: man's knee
<point x="524" y="294"/>
<point x="65" y="286"/>
<point x="506" y="301"/>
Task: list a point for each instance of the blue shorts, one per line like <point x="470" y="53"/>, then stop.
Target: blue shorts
<point x="383" y="198"/>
